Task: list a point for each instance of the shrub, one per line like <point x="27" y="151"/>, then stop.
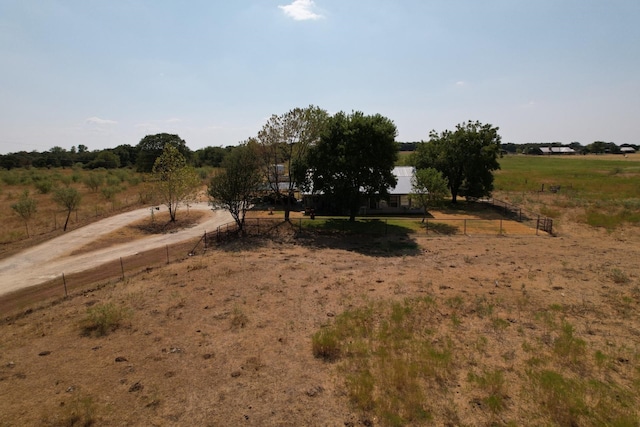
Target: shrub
<point x="44" y="186"/>
<point x="93" y="181"/>
<point x="103" y="319"/>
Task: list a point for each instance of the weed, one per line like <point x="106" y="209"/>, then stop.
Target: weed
<point x="104" y="318"/>
<point x="566" y="346"/>
<point x="620" y="277"/>
<point x="326" y="345"/>
<point x="238" y="318"/>
<point x="80" y="412"/>
<point x="483" y="307"/>
<point x="492" y="383"/>
<point x="455" y="302"/>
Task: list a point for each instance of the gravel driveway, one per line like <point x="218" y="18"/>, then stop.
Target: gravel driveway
<point x="52" y="258"/>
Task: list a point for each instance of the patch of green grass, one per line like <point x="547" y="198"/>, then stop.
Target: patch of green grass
<point x="102" y="319"/>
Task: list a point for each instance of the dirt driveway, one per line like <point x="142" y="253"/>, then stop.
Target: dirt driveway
<point x="52" y="258"/>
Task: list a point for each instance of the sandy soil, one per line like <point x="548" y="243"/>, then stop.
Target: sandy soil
<point x="54" y="257"/>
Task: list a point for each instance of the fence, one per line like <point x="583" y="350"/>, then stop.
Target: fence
<point x="95" y="278"/>
<point x="375" y="226"/>
<point x="510" y="210"/>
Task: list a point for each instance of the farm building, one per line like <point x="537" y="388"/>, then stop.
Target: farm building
<point x="557" y="150"/>
<point x="627" y="149"/>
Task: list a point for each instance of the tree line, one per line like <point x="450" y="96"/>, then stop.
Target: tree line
<point x="123" y="156"/>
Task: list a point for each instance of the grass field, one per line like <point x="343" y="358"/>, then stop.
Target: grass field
<point x="602" y="191"/>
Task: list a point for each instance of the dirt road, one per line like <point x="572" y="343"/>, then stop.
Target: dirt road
<point x="50" y="259"/>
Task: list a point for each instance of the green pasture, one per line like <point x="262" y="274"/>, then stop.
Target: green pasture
<point x="607" y="190"/>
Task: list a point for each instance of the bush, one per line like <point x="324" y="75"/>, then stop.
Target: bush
<point x="103" y="319"/>
<point x="44" y="186"/>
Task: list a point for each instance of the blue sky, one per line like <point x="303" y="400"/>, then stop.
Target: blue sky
<point x="108" y="72"/>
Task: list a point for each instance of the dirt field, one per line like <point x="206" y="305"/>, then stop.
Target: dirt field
<point x="225" y="338"/>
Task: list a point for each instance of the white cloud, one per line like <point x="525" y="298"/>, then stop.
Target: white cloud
<point x="301" y="10"/>
<point x="100" y="122"/>
<point x="461" y="83"/>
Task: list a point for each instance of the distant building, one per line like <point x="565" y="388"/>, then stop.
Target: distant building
<point x="557" y="150"/>
<point x="627" y="149"/>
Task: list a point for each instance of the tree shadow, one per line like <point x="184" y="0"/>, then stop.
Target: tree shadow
<point x="370" y="237"/>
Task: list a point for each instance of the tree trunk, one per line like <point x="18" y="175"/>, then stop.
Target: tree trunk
<point x="67" y="221"/>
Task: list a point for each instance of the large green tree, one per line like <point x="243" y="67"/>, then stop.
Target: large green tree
<point x="284" y="142"/>
<point x="466" y="156"/>
<point x="150" y="148"/>
<point x="237" y="184"/>
<point x="175" y="182"/>
<point x="354" y="159"/>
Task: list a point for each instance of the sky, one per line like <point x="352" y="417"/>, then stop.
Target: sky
<point x="107" y="72"/>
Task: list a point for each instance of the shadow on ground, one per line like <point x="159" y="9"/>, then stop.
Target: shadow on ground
<point x="372" y="238"/>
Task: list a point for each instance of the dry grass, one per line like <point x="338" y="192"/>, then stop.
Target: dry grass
<point x="464" y="331"/>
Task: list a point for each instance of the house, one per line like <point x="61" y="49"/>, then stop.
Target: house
<point x="627" y="149"/>
<point x="397" y="202"/>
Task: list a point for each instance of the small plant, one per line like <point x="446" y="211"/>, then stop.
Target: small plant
<point x="104" y="318"/>
<point x="326" y="345"/>
<point x="620" y="277"/>
<point x="81" y="411"/>
<point x="238" y="319"/>
<point x="492" y="382"/>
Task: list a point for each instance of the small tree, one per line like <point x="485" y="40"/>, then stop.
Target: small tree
<point x="283" y="144"/>
<point x="93" y="181"/>
<point x="26" y="208"/>
<point x="428" y="188"/>
<point x="69" y="198"/>
<point x="175" y="182"/>
<point x="234" y="188"/>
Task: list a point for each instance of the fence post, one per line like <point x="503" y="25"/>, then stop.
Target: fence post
<point x="386" y="227"/>
<point x="426" y="227"/>
<point x="300" y="225"/>
<point x="538" y="222"/>
<point x="500" y="226"/>
<point x="465" y="226"/>
<point x="64" y="283"/>
<point x="122" y="268"/>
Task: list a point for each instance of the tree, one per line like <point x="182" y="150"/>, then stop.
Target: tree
<point x="26" y="208"/>
<point x="354" y="158"/>
<point x="428" y="187"/>
<point x="235" y="187"/>
<point x="69" y="198"/>
<point x="93" y="181"/>
<point x="150" y="148"/>
<point x="284" y="143"/>
<point x="175" y="182"/>
<point x="467" y="157"/>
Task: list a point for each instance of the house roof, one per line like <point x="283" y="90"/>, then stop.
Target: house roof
<point x="403" y="174"/>
<point x="560" y="150"/>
